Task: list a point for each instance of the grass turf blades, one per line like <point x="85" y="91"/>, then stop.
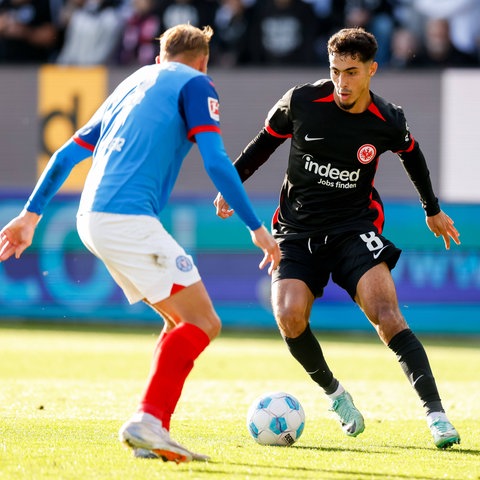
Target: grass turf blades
<point x="64" y="393"/>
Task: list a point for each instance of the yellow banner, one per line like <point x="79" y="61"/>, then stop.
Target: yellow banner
<point x="67" y="98"/>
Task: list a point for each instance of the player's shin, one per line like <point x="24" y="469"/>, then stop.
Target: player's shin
<point x="414" y="362"/>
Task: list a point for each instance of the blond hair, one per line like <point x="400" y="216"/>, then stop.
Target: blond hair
<point x="185" y="39"/>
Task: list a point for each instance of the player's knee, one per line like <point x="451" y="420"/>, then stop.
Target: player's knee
<point x="290" y="320"/>
<point x="216" y="328"/>
<point x="211" y="325"/>
<point x="389" y="322"/>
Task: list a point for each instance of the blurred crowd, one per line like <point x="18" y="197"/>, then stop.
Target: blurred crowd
<point x="411" y="33"/>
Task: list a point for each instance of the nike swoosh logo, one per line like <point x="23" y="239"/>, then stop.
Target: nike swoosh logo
<point x="377" y="254"/>
<point x="312" y="139"/>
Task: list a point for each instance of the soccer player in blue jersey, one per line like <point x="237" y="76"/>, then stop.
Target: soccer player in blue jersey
<point x="138" y="139"/>
<point x="330" y="218"/>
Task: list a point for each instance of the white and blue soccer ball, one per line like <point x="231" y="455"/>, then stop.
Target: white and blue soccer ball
<point x="276" y="418"/>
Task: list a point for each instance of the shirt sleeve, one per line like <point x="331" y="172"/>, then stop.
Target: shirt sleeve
<point x="88" y="135"/>
<point x="56" y="172"/>
<point x="256" y="153"/>
<point x="408" y="149"/>
<point x="225" y="177"/>
<point x="404" y="142"/>
<point x="278" y="127"/>
<point x="199" y="106"/>
<point x="279" y="122"/>
<point x="417" y="170"/>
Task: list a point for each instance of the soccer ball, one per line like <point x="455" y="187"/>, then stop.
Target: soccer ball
<point x="276" y="418"/>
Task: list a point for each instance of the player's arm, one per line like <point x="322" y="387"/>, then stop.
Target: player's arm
<point x="437" y="221"/>
<point x="278" y="127"/>
<point x="56" y="172"/>
<point x="226" y="180"/>
<point x="417" y="170"/>
<point x="255" y="154"/>
<point x="17" y="235"/>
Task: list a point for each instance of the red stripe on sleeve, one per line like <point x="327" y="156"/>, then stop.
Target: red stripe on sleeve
<point x="409" y="148"/>
<point x="275" y="134"/>
<point x="84" y="144"/>
<point x="202" y="128"/>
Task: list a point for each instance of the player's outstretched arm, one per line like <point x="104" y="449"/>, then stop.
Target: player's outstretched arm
<point x="17" y="235"/>
<point x="227" y="180"/>
<point x="442" y="225"/>
<point x="262" y="238"/>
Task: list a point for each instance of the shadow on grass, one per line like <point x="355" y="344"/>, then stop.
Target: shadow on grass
<point x="456" y="450"/>
<point x="275" y="471"/>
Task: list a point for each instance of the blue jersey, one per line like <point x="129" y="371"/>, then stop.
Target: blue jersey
<point x="141" y="135"/>
<point x="139" y="138"/>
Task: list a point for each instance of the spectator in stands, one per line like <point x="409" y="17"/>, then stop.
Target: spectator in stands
<point x="28" y="33"/>
<point x="232" y="25"/>
<point x="138" y="44"/>
<point x="406" y="49"/>
<point x="375" y="16"/>
<point x="283" y="32"/>
<point x="405" y="15"/>
<point x="463" y="18"/>
<point x="439" y="49"/>
<point x="329" y="19"/>
<point x="195" y="12"/>
<point x="93" y="33"/>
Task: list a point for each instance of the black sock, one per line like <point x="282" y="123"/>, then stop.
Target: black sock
<point x="414" y="362"/>
<point x="307" y="351"/>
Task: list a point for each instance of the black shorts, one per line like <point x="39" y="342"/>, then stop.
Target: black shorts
<point x="346" y="257"/>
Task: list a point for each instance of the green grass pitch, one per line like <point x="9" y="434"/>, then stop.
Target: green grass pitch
<point x="64" y="393"/>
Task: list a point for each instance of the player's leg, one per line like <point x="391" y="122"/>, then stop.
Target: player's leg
<point x="147" y="263"/>
<point x="376" y="296"/>
<point x="191" y="323"/>
<point x="292" y="302"/>
<point x="196" y="325"/>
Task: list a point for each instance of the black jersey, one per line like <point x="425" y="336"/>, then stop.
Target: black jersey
<point x="334" y="154"/>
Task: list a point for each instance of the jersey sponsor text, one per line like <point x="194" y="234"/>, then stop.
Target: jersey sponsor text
<point x="332" y="177"/>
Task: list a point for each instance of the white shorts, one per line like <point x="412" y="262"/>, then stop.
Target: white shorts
<point x="142" y="257"/>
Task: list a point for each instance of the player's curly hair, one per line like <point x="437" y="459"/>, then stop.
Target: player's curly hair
<point x="186" y="39"/>
<point x="354" y="42"/>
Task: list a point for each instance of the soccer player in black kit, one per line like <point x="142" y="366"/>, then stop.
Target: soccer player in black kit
<point x="330" y="218"/>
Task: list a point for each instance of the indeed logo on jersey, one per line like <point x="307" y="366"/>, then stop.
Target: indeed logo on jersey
<point x="331" y="177"/>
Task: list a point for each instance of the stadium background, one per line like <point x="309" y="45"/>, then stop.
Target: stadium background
<point x="57" y="279"/>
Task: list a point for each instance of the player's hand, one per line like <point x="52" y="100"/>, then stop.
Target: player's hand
<point x="442" y="225"/>
<point x="17" y="235"/>
<point x="223" y="208"/>
<point x="263" y="239"/>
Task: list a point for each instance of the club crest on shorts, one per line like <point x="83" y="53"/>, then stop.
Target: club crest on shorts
<point x="366" y="153"/>
<point x="184" y="263"/>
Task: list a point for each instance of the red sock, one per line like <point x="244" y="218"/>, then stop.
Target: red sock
<point x="173" y="360"/>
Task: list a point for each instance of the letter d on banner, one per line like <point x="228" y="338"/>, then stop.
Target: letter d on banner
<point x="67" y="98"/>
